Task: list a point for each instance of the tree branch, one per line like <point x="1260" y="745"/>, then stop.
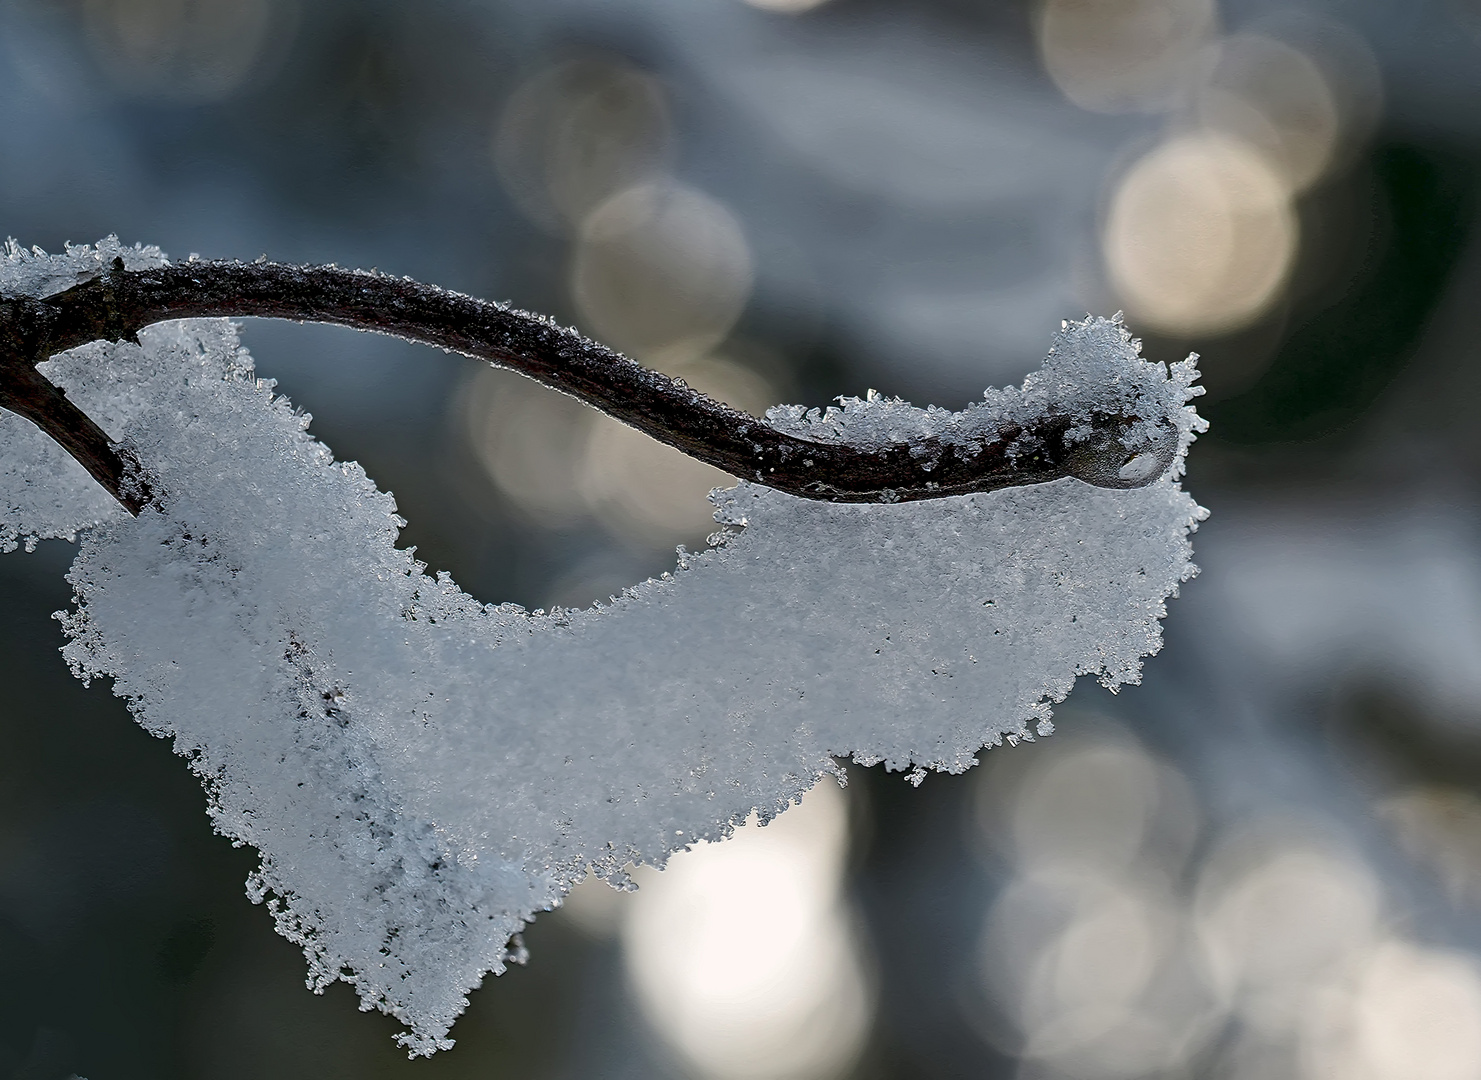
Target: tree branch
<point x="25" y="391"/>
<point x="119" y="303"/>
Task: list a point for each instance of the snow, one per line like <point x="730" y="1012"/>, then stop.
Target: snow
<point x="422" y="773"/>
<point x="1094" y="366"/>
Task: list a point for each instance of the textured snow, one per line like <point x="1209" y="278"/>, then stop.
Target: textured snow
<point x="422" y="773"/>
<point x="1094" y="366"/>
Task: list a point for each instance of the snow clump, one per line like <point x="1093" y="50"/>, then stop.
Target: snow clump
<point x="422" y="773"/>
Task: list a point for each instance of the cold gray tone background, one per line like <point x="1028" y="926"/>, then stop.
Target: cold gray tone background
<point x="918" y="205"/>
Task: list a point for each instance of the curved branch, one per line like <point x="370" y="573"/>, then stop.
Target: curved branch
<point x="119" y="302"/>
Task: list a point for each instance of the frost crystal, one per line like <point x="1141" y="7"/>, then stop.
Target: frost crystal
<point x="421" y="773"/>
<point x="1094" y="366"/>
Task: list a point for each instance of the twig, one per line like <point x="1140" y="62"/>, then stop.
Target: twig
<point x="119" y="303"/>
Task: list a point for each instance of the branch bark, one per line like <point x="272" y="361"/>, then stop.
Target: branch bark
<point x="119" y="303"/>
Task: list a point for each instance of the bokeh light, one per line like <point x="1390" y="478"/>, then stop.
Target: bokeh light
<point x="658" y="270"/>
<point x="743" y="956"/>
<point x="531" y="442"/>
<point x="1201" y="232"/>
<point x="1087" y="952"/>
<point x="1200" y="235"/>
<point x="1408" y="1013"/>
<point x="661" y="268"/>
<point x="1347" y="67"/>
<point x="786" y="7"/>
<point x="1124" y="55"/>
<point x="1108" y="960"/>
<point x="191" y="49"/>
<point x="1099" y="806"/>
<point x="1276" y="99"/>
<point x="579" y="132"/>
<point x="1279" y="917"/>
<point x="1094" y="973"/>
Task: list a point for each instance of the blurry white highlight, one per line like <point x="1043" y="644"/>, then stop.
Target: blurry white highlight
<point x="1276" y="99"/>
<point x="1086" y="951"/>
<point x="1104" y="966"/>
<point x="579" y="132"/>
<point x="190" y="49"/>
<point x="660" y="267"/>
<point x="1278" y="917"/>
<point x="742" y="954"/>
<point x="1090" y="807"/>
<point x="530" y="441"/>
<point x="1123" y="55"/>
<point x="787" y="7"/>
<point x="1409" y="1013"/>
<point x="1200" y="236"/>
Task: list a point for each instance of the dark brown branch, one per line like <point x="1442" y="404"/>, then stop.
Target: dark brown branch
<point x="119" y="303"/>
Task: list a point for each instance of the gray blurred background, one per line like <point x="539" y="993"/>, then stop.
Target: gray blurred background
<point x="1264" y="862"/>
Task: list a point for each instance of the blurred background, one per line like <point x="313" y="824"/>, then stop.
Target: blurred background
<point x="1265" y="862"/>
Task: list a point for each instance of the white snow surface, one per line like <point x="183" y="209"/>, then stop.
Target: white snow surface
<point x="422" y="773"/>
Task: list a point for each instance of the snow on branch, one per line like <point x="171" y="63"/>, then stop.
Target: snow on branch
<point x="958" y="454"/>
<point x="422" y="773"/>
